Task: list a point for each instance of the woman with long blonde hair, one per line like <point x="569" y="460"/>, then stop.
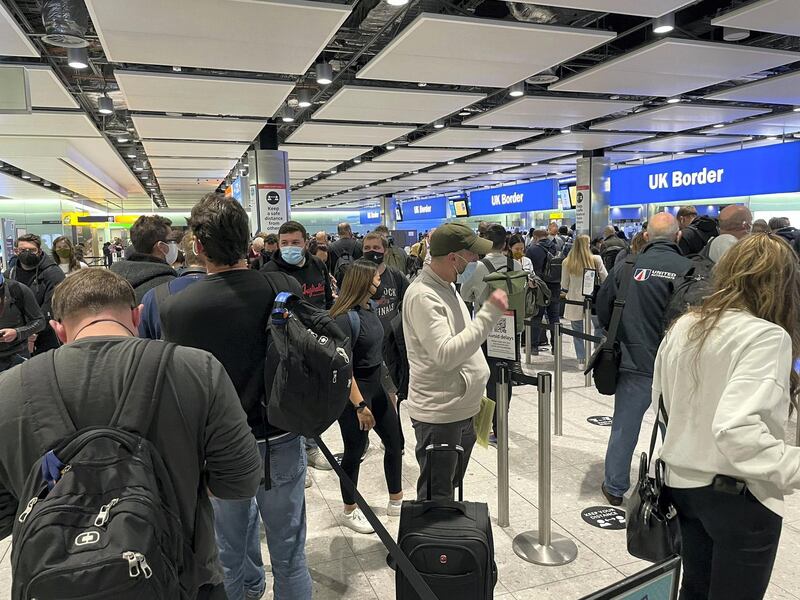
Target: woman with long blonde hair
<point x="725" y="372"/>
<point x="578" y="260"/>
<point x="369" y="404"/>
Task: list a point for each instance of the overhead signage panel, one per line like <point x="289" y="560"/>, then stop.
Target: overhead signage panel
<point x="525" y="197"/>
<point x="370" y="216"/>
<point x="752" y="172"/>
<point x="425" y="210"/>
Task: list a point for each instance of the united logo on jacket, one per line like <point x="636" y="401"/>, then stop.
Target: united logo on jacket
<point x="642" y="274"/>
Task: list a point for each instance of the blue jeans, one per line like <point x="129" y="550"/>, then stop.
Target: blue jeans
<point x="283" y="511"/>
<point x="580" y="347"/>
<point x="631" y="401"/>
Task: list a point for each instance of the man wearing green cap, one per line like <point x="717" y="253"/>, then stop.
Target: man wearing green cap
<point x="448" y="372"/>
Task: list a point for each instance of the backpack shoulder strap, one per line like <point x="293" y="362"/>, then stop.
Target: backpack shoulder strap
<point x="143" y="386"/>
<point x="489" y="266"/>
<point x="619" y="303"/>
<point x="161" y="293"/>
<point x="355" y="325"/>
<point x="18" y="297"/>
<point x="43" y="402"/>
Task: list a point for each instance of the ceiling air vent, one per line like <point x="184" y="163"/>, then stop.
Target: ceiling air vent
<point x="543" y="78"/>
<point x="65" y="23"/>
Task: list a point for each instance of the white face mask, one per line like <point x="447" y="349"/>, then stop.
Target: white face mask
<point x="172" y="252"/>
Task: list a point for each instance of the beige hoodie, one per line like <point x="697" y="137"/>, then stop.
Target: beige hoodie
<point x="448" y="370"/>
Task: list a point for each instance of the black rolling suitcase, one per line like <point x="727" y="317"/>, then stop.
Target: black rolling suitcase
<point x="449" y="543"/>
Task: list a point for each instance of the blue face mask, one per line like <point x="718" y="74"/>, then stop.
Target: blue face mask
<point x="292" y="254"/>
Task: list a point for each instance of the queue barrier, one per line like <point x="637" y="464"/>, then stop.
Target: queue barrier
<point x="541" y="547"/>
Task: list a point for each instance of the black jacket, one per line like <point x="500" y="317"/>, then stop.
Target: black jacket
<point x="143" y="272"/>
<point x="313" y="276"/>
<point x="656" y="269"/>
<point x="696" y="235"/>
<point x="538" y="254"/>
<point x="341" y="247"/>
<point x="18" y="310"/>
<point x="792" y="236"/>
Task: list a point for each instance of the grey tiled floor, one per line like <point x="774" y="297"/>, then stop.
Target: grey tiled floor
<point x="345" y="565"/>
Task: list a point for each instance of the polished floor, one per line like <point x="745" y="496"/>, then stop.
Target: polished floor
<point x="345" y="565"/>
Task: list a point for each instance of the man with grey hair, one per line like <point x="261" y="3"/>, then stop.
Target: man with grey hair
<point x="652" y="278"/>
<point x="735" y="222"/>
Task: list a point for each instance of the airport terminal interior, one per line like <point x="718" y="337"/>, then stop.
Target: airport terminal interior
<point x="409" y="114"/>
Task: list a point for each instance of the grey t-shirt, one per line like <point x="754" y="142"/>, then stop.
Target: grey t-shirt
<point x="199" y="428"/>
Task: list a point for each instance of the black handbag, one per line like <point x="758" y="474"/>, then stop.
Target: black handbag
<point x="604" y="363"/>
<point x="653" y="532"/>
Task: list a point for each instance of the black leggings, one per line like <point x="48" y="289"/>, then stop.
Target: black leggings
<point x="387" y="426"/>
<point x="729" y="544"/>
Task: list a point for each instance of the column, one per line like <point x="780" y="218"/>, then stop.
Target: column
<point x="268" y="183"/>
<point x="593" y="191"/>
<point x="388" y="217"/>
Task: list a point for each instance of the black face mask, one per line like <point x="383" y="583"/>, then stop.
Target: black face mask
<point x="28" y="259"/>
<point x="376" y="257"/>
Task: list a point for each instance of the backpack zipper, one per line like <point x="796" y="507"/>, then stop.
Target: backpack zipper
<point x="31" y="503"/>
<point x="102" y="517"/>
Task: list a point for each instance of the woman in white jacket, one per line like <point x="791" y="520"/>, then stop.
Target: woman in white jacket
<point x="725" y="373"/>
<point x="578" y="260"/>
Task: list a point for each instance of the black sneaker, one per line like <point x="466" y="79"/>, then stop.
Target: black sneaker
<point x="611" y="498"/>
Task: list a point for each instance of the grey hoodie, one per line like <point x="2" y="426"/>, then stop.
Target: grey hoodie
<point x="143" y="272"/>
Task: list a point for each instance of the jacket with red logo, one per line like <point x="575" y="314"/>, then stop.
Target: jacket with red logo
<point x="312" y="276"/>
<point x="655" y="272"/>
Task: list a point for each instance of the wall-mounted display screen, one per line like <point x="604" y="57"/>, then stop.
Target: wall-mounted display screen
<point x="461" y="208"/>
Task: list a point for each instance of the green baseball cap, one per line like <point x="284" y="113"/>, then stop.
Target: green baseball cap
<point x="452" y="237"/>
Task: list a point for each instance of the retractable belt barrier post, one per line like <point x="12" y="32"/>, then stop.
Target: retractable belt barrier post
<point x="502" y="445"/>
<point x="587" y="327"/>
<point x="544" y="547"/>
<point x="528" y="334"/>
<point x="558" y="352"/>
<point x="797" y="437"/>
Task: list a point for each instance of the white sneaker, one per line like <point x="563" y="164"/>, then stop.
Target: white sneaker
<point x="317" y="460"/>
<point x="394" y="507"/>
<point x="357" y="522"/>
<point x="581" y="366"/>
<point x="308" y="481"/>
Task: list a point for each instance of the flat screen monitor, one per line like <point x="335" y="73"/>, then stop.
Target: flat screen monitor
<point x="659" y="582"/>
<point x="563" y="199"/>
<point x="573" y="196"/>
<point x="461" y="208"/>
<point x="398" y="213"/>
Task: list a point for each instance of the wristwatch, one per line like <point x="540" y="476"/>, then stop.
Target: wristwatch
<point x="361" y="406"/>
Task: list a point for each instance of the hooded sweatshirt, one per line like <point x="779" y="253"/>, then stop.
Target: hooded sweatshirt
<point x="42" y="281"/>
<point x="697" y="234"/>
<point x="143" y="272"/>
<point x="312" y="275"/>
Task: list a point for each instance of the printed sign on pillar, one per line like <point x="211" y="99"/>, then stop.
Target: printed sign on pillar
<point x="273" y="206"/>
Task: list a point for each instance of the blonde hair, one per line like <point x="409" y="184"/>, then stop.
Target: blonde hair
<point x="580" y="257"/>
<point x="760" y="275"/>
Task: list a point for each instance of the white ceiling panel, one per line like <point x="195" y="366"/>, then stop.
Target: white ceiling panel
<point x="13" y="41"/>
<point x="531" y="170"/>
<point x="472" y="137"/>
<point x="744" y="145"/>
<point x="194" y="149"/>
<point x="425" y="155"/>
<point x="780" y="124"/>
<point x="549" y="112"/>
<point x="49" y="124"/>
<point x="388" y="105"/>
<point x="392" y="168"/>
<point x="583" y="140"/>
<point x="196" y="128"/>
<point x="20" y="189"/>
<point x="783" y="89"/>
<point x="424" y="178"/>
<point x="341" y="133"/>
<point x="319" y="152"/>
<point x="192" y="173"/>
<point x="674" y="66"/>
<point x="192" y="163"/>
<point x="680" y="143"/>
<point x="618" y="157"/>
<point x="516" y="156"/>
<point x="185" y="183"/>
<point x="164" y="92"/>
<point x="499" y="53"/>
<point x="679" y="117"/>
<point x="645" y="8"/>
<point x="312" y="165"/>
<point x="774" y="16"/>
<point x="355" y="178"/>
<point x="567" y="160"/>
<point x="47" y="91"/>
<point x="201" y="34"/>
<point x="464" y="169"/>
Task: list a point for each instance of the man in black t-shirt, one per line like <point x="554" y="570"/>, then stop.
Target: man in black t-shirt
<point x="227" y="314"/>
<point x="346" y="247"/>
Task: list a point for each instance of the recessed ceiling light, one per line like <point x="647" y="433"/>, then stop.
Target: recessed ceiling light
<point x="332" y="172"/>
<point x="566" y="130"/>
<point x="451" y="162"/>
<point x="123" y="139"/>
<point x="797" y="109"/>
<point x="498" y="149"/>
<point x="324" y="73"/>
<point x="719" y="125"/>
<point x="131" y="154"/>
<point x="438" y="125"/>
<point x="357" y="160"/>
<point x="78" y="58"/>
<point x="614" y="97"/>
<point x="138" y="166"/>
<point x="772" y="138"/>
<point x="304" y="98"/>
<point x="534" y="164"/>
<point x="396" y="2"/>
<point x="733" y="34"/>
<point x="390" y="146"/>
<point x="288" y="115"/>
<point x="46" y="184"/>
<point x="680" y="153"/>
<point x="673" y="100"/>
<point x="26" y="175"/>
<point x="422" y="84"/>
<point x="517" y="90"/>
<point x="664" y="24"/>
<point x="105" y="105"/>
<point x="464" y="113"/>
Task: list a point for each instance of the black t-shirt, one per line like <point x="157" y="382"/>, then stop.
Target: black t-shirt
<point x="368" y="346"/>
<point x="389" y="296"/>
<point x="226" y="314"/>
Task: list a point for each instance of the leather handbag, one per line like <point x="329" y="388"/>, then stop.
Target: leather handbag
<point x="653" y="532"/>
<point x="604" y="363"/>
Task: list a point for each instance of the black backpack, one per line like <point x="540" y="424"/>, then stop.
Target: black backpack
<point x="552" y="267"/>
<point x="609" y="256"/>
<point x="99" y="514"/>
<point x="308" y="368"/>
<point x="344" y="260"/>
<point x="691" y="288"/>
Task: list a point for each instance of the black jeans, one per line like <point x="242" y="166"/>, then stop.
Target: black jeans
<point x="729" y="544"/>
<point x="443" y="466"/>
<point x="387" y="426"/>
<point x="553" y="311"/>
<point x="491" y="386"/>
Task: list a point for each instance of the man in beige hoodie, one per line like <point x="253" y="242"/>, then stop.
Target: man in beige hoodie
<point x="448" y="370"/>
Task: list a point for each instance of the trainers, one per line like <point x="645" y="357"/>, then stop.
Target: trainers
<point x="611" y="498"/>
<point x="308" y="485"/>
<point x="357" y="522"/>
<point x="493" y="440"/>
<point x="394" y="507"/>
<point x="317" y="460"/>
<point x="581" y="366"/>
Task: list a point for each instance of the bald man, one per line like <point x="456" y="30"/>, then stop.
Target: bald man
<point x="735" y="222"/>
<point x="651" y="275"/>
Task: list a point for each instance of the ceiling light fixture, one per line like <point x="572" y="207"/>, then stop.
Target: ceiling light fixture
<point x="422" y="84"/>
<point x="517" y="90"/>
<point x="78" y="58"/>
<point x="288" y="115"/>
<point x="324" y="73"/>
<point x="498" y="149"/>
<point x="105" y="105"/>
<point x="797" y="109"/>
<point x="438" y="124"/>
<point x="138" y="166"/>
<point x="464" y="113"/>
<point x="46" y="184"/>
<point x="304" y="98"/>
<point x="719" y="125"/>
<point x="131" y="154"/>
<point x="390" y="146"/>
<point x="733" y="34"/>
<point x="123" y="139"/>
<point x="26" y="175"/>
<point x="674" y="100"/>
<point x="451" y="162"/>
<point x="772" y="138"/>
<point x="664" y="24"/>
<point x="396" y="2"/>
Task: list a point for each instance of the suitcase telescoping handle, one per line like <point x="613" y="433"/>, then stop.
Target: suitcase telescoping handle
<point x="430" y="449"/>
